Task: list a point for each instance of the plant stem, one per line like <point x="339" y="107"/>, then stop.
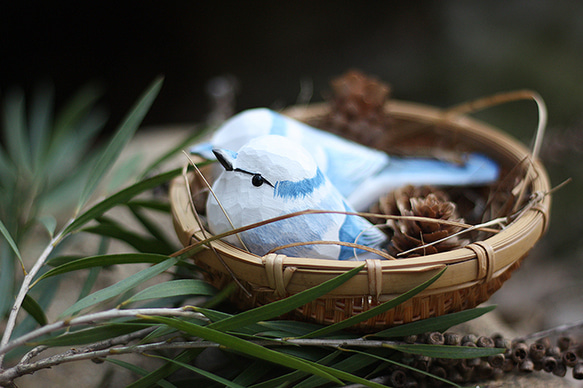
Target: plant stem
<point x="24" y="287"/>
<point x="96" y="317"/>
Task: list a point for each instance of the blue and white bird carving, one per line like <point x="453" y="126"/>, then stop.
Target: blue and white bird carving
<point x="272" y="176"/>
<point x="360" y="174"/>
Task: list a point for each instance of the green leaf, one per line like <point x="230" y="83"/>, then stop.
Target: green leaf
<point x="120" y="139"/>
<point x="94" y="334"/>
<point x="50" y="224"/>
<point x="445" y="351"/>
<point x="440" y="323"/>
<point x="150" y="204"/>
<point x="7" y="279"/>
<point x="34" y="309"/>
<point x="127" y="171"/>
<point x="17" y="142"/>
<point x="173" y="288"/>
<point x="119" y="198"/>
<point x="11" y="242"/>
<point x="275" y="309"/>
<point x="137" y="370"/>
<point x="119" y="287"/>
<point x="172" y="152"/>
<point x="74" y="111"/>
<point x="139" y="243"/>
<point x="40" y="122"/>
<point x="103" y="261"/>
<point x="376" y="310"/>
<point x="251" y="316"/>
<point x="245" y="347"/>
<point x="202" y="372"/>
<point x="351" y="364"/>
<point x="151" y="227"/>
<point x="404" y="366"/>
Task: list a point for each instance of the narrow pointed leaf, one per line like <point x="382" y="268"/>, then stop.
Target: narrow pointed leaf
<point x="376" y="310"/>
<point x="40" y="122"/>
<point x="119" y="287"/>
<point x="174" y="288"/>
<point x="11" y="242"/>
<point x="292" y="377"/>
<point x="50" y="224"/>
<point x="94" y="334"/>
<point x="76" y="108"/>
<point x="138" y="242"/>
<point x="245" y="347"/>
<point x="275" y="309"/>
<point x="16" y="136"/>
<point x="349" y="365"/>
<point x="404" y="366"/>
<point x="440" y="323"/>
<point x="152" y="227"/>
<point x="202" y="372"/>
<point x="120" y="139"/>
<point x="119" y="198"/>
<point x="104" y="261"/>
<point x="34" y="309"/>
<point x="196" y="134"/>
<point x="137" y="370"/>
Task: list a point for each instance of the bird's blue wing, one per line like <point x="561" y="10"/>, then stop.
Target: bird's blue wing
<point x="477" y="169"/>
<point x="358" y="230"/>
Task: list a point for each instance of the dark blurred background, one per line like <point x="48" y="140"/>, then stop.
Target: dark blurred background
<point x="441" y="53"/>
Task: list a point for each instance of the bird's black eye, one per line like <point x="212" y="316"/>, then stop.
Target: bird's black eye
<point x="257" y="180"/>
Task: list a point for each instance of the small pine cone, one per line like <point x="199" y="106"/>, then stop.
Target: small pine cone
<point x="357" y="108"/>
<point x="424" y="201"/>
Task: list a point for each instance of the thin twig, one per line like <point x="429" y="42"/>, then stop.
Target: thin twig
<point x="186" y="311"/>
<point x="201" y="226"/>
<point x="24" y="287"/>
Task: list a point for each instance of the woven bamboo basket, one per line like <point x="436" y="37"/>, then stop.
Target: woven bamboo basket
<point x="473" y="273"/>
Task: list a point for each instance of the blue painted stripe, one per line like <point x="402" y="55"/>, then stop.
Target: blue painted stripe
<point x="294" y="190"/>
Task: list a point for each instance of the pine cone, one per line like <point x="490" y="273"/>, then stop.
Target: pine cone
<point x="423" y="201"/>
<point x="357" y="108"/>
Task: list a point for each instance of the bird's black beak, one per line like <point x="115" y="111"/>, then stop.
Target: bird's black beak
<point x="225" y="158"/>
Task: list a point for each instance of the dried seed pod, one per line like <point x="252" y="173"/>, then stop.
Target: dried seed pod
<point x="545" y="341"/>
<point x="435" y="338"/>
<point x="564" y="343"/>
<point x="578" y="371"/>
<point x="526" y="366"/>
<point x="519" y="352"/>
<point x="422" y="363"/>
<point x="579" y="350"/>
<point x="569" y="358"/>
<point x="398" y="378"/>
<point x="554" y="351"/>
<point x="451" y="338"/>
<point x="501" y="342"/>
<point x="509" y="365"/>
<point x="454" y="376"/>
<point x="549" y="363"/>
<point x="469" y="338"/>
<point x="485" y="342"/>
<point x="560" y="370"/>
<point x="537" y="351"/>
<point x="410" y="339"/>
<point x="496" y="360"/>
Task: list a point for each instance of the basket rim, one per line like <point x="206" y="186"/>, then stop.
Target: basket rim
<point x="479" y="261"/>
